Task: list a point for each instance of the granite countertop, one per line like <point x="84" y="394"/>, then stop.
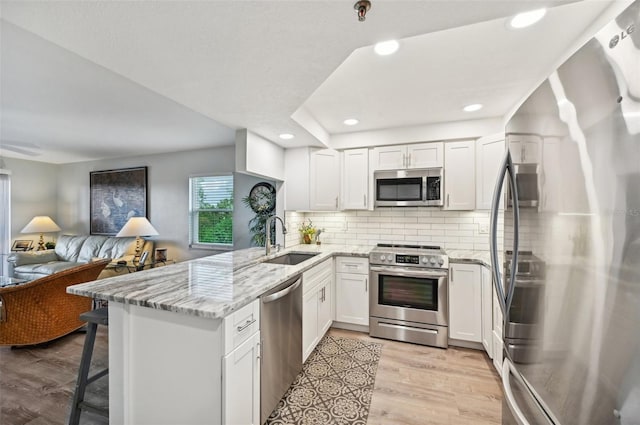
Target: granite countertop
<point x="216" y="285"/>
<point x="210" y="287"/>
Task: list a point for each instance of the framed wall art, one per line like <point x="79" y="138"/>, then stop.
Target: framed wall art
<point x="116" y="196"/>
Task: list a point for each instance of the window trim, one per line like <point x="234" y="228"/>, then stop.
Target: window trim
<point x="208" y="246"/>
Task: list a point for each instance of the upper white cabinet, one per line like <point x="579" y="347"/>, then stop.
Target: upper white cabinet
<point x="355" y="179"/>
<point x="489" y="155"/>
<point x="312" y="179"/>
<point x="419" y="155"/>
<point x="465" y="302"/>
<point x="524" y="148"/>
<point x="459" y="175"/>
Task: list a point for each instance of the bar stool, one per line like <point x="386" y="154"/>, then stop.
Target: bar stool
<point x="93" y="319"/>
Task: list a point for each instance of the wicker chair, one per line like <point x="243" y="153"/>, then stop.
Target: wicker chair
<point x="41" y="310"/>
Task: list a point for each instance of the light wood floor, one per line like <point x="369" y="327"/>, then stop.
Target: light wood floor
<point x="414" y="384"/>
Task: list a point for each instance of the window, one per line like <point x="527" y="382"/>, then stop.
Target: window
<point x="211" y="211"/>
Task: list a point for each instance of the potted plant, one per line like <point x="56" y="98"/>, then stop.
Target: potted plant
<point x="307" y="230"/>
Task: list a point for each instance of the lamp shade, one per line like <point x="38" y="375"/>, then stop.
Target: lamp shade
<point x="41" y="224"/>
<point x="137" y="226"/>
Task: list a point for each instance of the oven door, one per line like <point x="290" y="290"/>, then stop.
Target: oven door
<point x="407" y="294"/>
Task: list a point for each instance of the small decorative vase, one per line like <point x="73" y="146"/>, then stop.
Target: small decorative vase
<point x="306" y="239"/>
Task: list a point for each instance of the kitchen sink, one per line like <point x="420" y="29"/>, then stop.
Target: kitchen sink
<point x="291" y="258"/>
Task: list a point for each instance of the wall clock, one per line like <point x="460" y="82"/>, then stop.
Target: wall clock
<point x="262" y="198"/>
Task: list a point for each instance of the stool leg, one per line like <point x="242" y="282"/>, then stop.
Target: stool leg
<point x="83" y="373"/>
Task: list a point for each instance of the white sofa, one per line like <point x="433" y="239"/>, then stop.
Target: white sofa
<point x="72" y="251"/>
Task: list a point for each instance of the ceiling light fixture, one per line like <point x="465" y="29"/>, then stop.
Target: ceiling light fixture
<point x="473" y="107"/>
<point x="385" y="48"/>
<point x="362" y="7"/>
<point x="286" y="136"/>
<point x="525" y="19"/>
<point x="351" y="121"/>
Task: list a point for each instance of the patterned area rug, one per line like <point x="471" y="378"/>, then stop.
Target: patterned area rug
<point x="334" y="387"/>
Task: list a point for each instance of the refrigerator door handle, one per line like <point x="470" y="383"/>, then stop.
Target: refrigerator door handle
<point x="507" y="368"/>
<point x="504" y="299"/>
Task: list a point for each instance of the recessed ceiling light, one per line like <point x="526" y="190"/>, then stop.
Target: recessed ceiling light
<point x="286" y="136"/>
<point x="525" y="19"/>
<point x="385" y="48"/>
<point x="351" y="121"/>
<point x="473" y="107"/>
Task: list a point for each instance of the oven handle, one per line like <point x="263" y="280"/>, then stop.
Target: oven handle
<point x="407" y="272"/>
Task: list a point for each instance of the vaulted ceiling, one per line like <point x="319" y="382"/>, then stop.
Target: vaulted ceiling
<point x="84" y="80"/>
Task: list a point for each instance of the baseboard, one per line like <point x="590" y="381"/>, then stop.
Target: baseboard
<point x="466" y="344"/>
<point x="350" y="327"/>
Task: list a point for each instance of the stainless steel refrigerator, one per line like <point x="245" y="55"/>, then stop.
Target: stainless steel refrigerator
<point x="569" y="261"/>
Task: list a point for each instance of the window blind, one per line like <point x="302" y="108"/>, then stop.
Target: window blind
<point x="211" y="210"/>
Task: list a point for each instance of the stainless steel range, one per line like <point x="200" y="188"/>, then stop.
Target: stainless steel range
<point x="409" y="294"/>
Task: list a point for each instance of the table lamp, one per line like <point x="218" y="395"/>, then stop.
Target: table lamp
<point x="41" y="224"/>
<point x="137" y="226"/>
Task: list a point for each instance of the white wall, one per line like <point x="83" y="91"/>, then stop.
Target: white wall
<point x="168" y="193"/>
<point x="34" y="191"/>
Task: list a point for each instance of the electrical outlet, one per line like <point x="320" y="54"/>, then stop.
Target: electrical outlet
<point x="483" y="228"/>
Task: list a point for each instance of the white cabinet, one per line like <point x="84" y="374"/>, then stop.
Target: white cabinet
<point x="551" y="178"/>
<point x="355" y="179"/>
<point x="459" y="175"/>
<point x="241" y="383"/>
<point x="465" y="301"/>
<point x="352" y="290"/>
<point x="419" y="155"/>
<point x="524" y="148"/>
<point x="316" y="305"/>
<point x="489" y="155"/>
<point x="498" y="344"/>
<point x="487" y="311"/>
<point x="324" y="178"/>
<point x="312" y="179"/>
<point x="425" y="155"/>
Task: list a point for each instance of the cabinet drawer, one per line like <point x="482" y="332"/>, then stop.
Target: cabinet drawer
<point x="311" y="278"/>
<point x="355" y="265"/>
<point x="240" y="325"/>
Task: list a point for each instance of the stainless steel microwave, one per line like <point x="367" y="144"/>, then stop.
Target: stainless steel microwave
<point x="409" y="188"/>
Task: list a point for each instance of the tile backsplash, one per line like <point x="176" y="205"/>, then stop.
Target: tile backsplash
<point x="448" y="229"/>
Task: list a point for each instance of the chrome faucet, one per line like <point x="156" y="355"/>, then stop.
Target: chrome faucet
<point x="268" y="232"/>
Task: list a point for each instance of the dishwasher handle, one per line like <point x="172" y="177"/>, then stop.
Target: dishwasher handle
<point x="283" y="293"/>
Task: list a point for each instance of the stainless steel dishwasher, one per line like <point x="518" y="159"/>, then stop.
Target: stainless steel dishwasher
<point x="281" y="335"/>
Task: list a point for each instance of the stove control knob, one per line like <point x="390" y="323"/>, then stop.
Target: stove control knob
<point x="432" y="260"/>
<point x="425" y="260"/>
<point x="382" y="258"/>
<point x="440" y="261"/>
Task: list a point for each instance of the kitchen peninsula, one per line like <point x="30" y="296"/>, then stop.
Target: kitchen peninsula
<point x="171" y="328"/>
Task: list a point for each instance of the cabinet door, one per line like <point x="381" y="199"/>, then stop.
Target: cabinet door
<point x="498" y="356"/>
<point x="425" y="155"/>
<point x="524" y="148"/>
<point x="551" y="178"/>
<point x="309" y="323"/>
<point x="241" y="383"/>
<point x="487" y="311"/>
<point x="459" y="176"/>
<point x="465" y="301"/>
<point x="324" y="309"/>
<point x="352" y="298"/>
<point x="489" y="154"/>
<point x="390" y="157"/>
<point x="355" y="181"/>
<point x="324" y="180"/>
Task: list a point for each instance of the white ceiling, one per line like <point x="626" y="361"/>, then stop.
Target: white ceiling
<point x="85" y="80"/>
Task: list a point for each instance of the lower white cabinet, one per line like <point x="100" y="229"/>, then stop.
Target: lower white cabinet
<point x="352" y="298"/>
<point x="497" y="352"/>
<point x="465" y="301"/>
<point x="241" y="383"/>
<point x="487" y="311"/>
<point x="316" y="306"/>
<point x="352" y="290"/>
